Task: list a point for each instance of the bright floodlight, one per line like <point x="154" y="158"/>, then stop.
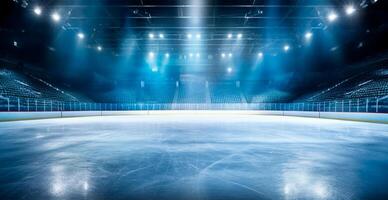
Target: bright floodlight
<point x="332" y="16"/>
<point x="286" y="47"/>
<point x="167" y="55"/>
<point x="56" y="17"/>
<point x="239" y="36"/>
<point x="189" y="36"/>
<point x="151" y="54"/>
<point x="308" y="35"/>
<point x="161" y="35"/>
<point x="37" y="10"/>
<point x="229" y="70"/>
<point x="260" y="54"/>
<point x="99" y="48"/>
<point x="230" y="36"/>
<point x="230" y="55"/>
<point x="151" y="36"/>
<point x="223" y="55"/>
<point x="350" y="10"/>
<point x="81" y="36"/>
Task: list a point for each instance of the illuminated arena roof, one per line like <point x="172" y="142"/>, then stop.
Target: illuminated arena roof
<point x="149" y="39"/>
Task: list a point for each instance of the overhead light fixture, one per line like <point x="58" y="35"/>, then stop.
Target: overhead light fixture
<point x="198" y="36"/>
<point x="151" y="54"/>
<point x="189" y="36"/>
<point x="308" y="35"/>
<point x="151" y="36"/>
<point x="223" y="55"/>
<point x="81" y="35"/>
<point x="161" y="35"/>
<point x="190" y="55"/>
<point x="350" y="10"/>
<point x="230" y="55"/>
<point x="230" y="36"/>
<point x="37" y="10"/>
<point x="239" y="36"/>
<point x="167" y="55"/>
<point x="286" y="47"/>
<point x="198" y="55"/>
<point x="56" y="17"/>
<point x="332" y="16"/>
<point x="260" y="54"/>
<point x="154" y="69"/>
<point x="229" y="70"/>
<point x="99" y="48"/>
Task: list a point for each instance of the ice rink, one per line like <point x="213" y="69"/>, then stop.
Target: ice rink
<point x="193" y="157"/>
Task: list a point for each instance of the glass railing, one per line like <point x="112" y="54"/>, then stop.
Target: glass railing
<point x="370" y="105"/>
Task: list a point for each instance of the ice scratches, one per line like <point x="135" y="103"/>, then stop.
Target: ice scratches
<point x="242" y="186"/>
<point x="204" y="170"/>
<point x="123" y="173"/>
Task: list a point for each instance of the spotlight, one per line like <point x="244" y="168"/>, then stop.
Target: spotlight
<point x="167" y="55"/>
<point x="99" y="48"/>
<point x="198" y="36"/>
<point x="229" y="70"/>
<point x="350" y="10"/>
<point x="197" y="55"/>
<point x="81" y="36"/>
<point x="161" y="35"/>
<point x="230" y="36"/>
<point x="239" y="36"/>
<point x="189" y="36"/>
<point x="260" y="54"/>
<point x="223" y="55"/>
<point x="151" y="54"/>
<point x="190" y="55"/>
<point x="308" y="35"/>
<point x="332" y="16"/>
<point x="56" y="17"/>
<point x="286" y="47"/>
<point x="230" y="55"/>
<point x="37" y="10"/>
<point x="151" y="36"/>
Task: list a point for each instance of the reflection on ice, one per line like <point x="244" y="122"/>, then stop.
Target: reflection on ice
<point x="299" y="184"/>
<point x="65" y="181"/>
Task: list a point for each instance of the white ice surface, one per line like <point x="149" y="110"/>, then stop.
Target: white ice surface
<point x="193" y="157"/>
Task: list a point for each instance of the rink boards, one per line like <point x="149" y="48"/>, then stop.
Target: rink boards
<point x="367" y="117"/>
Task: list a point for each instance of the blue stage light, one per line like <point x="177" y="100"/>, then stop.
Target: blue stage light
<point x="56" y="17"/>
<point x="37" y="10"/>
<point x="286" y="47"/>
<point x="80" y="35"/>
<point x="332" y="16"/>
<point x="350" y="10"/>
<point x="308" y="35"/>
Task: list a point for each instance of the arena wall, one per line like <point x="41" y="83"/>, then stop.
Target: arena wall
<point x="366" y="117"/>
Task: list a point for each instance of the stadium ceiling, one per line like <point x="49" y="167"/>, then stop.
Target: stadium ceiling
<point x="119" y="25"/>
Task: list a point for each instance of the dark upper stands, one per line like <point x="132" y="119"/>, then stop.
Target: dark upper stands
<point x="365" y="85"/>
<point x="23" y="85"/>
